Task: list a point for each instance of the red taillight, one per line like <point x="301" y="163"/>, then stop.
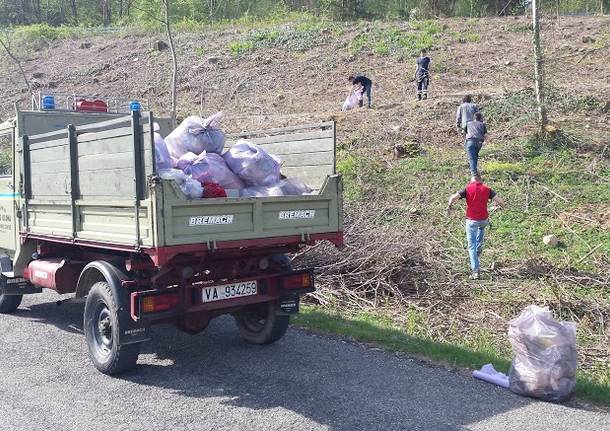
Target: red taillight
<point x="158" y="303"/>
<point x="298" y="281"/>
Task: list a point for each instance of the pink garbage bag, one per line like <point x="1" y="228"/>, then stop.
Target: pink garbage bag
<point x="253" y="165"/>
<point x="211" y="168"/>
<point x="196" y="135"/>
<point x="162" y="158"/>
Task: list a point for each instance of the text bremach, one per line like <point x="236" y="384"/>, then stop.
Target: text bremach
<point x="210" y="220"/>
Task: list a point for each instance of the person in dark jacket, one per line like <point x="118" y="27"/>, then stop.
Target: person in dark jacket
<point x="367" y="86"/>
<point x="475" y="136"/>
<point x="477" y="196"/>
<point x="422" y="75"/>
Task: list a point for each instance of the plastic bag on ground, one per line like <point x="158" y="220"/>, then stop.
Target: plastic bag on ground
<point x="544" y="355"/>
<point x="252" y="164"/>
<point x="162" y="158"/>
<point x="353" y="99"/>
<point x="294" y="186"/>
<point x="191" y="188"/>
<point x="261" y="191"/>
<point x="196" y="135"/>
<point x="211" y="168"/>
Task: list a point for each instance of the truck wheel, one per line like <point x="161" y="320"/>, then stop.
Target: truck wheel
<point x="261" y="324"/>
<point x="9" y="303"/>
<point x="101" y="325"/>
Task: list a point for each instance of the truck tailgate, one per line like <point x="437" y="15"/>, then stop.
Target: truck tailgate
<point x="210" y="221"/>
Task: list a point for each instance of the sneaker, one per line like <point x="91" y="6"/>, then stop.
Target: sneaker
<point x="474" y="275"/>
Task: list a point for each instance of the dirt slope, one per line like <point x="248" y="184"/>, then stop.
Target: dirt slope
<point x="279" y="85"/>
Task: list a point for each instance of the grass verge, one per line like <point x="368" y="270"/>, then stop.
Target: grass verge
<point x="366" y="327"/>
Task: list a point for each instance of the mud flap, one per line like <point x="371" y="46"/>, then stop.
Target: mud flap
<point x="132" y="332"/>
<point x="288" y="305"/>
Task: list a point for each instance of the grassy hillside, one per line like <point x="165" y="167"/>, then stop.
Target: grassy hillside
<point x="405" y="263"/>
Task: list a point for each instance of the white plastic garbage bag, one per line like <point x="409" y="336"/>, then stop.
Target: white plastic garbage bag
<point x="261" y="191"/>
<point x="162" y="158"/>
<point x="353" y="99"/>
<point x="211" y="168"/>
<point x="191" y="188"/>
<point x="252" y="164"/>
<point x="294" y="186"/>
<point x="196" y="135"/>
<point x="544" y="355"/>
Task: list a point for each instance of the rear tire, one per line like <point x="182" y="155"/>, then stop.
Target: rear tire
<point x="261" y="324"/>
<point x="9" y="303"/>
<point x="102" y="329"/>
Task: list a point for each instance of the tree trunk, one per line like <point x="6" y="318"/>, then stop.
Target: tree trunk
<point x="74" y="11"/>
<point x="106" y="13"/>
<point x="538" y="66"/>
<point x="174" y="59"/>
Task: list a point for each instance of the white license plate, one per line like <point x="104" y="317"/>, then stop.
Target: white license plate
<point x="228" y="291"/>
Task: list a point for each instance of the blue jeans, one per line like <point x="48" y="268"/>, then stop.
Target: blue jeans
<point x="367" y="91"/>
<point x="473" y="146"/>
<point x="475" y="232"/>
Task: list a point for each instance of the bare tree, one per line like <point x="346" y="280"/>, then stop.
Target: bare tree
<point x="168" y="29"/>
<point x="7" y="48"/>
<point x="538" y="66"/>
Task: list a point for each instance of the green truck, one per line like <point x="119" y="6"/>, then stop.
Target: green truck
<point x="83" y="211"/>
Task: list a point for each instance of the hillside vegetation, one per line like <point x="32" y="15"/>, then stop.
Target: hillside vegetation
<point x="405" y="263"/>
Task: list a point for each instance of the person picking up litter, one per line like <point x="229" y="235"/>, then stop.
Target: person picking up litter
<point x="475" y="136"/>
<point x="366" y="84"/>
<point x="465" y="113"/>
<point x="422" y="75"/>
<point x="477" y="196"/>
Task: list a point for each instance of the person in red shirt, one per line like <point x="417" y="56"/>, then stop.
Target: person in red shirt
<point x="477" y="197"/>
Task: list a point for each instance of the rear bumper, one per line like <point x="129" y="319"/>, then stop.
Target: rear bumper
<point x="189" y="299"/>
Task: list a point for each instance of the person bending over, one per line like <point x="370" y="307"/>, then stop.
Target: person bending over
<point x="367" y="86"/>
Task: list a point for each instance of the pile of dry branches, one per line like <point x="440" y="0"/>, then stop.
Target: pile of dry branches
<point x="384" y="260"/>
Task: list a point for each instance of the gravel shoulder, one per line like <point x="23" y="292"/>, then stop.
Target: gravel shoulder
<point x="216" y="381"/>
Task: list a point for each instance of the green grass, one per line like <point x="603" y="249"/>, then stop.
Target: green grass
<point x="395" y="40"/>
<point x="299" y="35"/>
<point x="475" y="352"/>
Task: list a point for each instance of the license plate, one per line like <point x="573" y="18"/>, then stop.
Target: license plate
<point x="228" y="291"/>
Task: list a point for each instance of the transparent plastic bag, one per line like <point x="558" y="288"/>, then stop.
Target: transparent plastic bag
<point x="162" y="158"/>
<point x="191" y="188"/>
<point x="353" y="99"/>
<point x="196" y="135"/>
<point x="252" y="164"/>
<point x="544" y="355"/>
<point x="294" y="186"/>
<point x="211" y="168"/>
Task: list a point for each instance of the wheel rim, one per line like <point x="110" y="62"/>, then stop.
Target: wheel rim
<point x="102" y="330"/>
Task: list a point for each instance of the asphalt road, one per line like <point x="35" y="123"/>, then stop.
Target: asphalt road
<point x="214" y="381"/>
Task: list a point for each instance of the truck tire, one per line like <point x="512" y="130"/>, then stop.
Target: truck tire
<point x="102" y="329"/>
<point x="9" y="303"/>
<point x="261" y="324"/>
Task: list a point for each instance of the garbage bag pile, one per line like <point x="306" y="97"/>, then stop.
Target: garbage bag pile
<point x="544" y="349"/>
<point x="192" y="156"/>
